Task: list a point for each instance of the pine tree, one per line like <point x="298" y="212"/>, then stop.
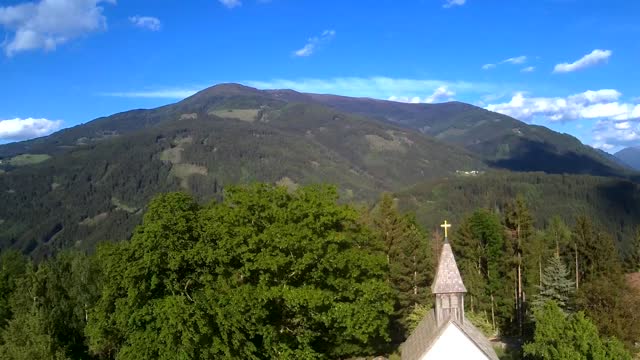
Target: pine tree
<point x="555" y="286"/>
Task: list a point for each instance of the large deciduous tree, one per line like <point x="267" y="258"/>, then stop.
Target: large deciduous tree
<point x="265" y="274"/>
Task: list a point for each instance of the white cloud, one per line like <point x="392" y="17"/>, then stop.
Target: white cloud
<point x="231" y="3"/>
<point x="146" y="22"/>
<point x="609" y="134"/>
<point x="22" y="129"/>
<point x="515" y="60"/>
<point x="155" y="94"/>
<point x="488" y="66"/>
<point x="596" y="57"/>
<point x="48" y="23"/>
<point x="312" y="44"/>
<point x="600" y="104"/>
<point x="528" y="69"/>
<point x="439" y="95"/>
<point x="451" y="3"/>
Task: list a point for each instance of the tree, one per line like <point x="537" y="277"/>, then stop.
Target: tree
<point x="555" y="286"/>
<point x="519" y="224"/>
<point x="264" y="274"/>
<point x="12" y="266"/>
<point x="633" y="258"/>
<point x="612" y="305"/>
<point x="408" y="256"/>
<point x="566" y="337"/>
<point x="595" y="252"/>
<point x="480" y="246"/>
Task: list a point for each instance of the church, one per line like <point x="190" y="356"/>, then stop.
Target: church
<point x="444" y="333"/>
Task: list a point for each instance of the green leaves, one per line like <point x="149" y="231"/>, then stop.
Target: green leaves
<point x="567" y="337"/>
<point x="264" y="274"/>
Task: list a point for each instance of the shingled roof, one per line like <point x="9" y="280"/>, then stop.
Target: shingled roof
<point x="427" y="332"/>
<point x="448" y="279"/>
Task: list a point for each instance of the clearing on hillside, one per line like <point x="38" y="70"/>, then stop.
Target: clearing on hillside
<point x="28" y="159"/>
<point x="249" y="115"/>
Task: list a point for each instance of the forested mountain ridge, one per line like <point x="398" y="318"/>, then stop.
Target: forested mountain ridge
<point x="90" y="183"/>
<point x="500" y="140"/>
<point x="94" y="191"/>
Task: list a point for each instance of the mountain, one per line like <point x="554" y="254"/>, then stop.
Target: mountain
<point x="502" y="141"/>
<point x="90" y="183"/>
<point x="630" y="156"/>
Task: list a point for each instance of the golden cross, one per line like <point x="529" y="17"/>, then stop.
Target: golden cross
<point x="446" y="227"/>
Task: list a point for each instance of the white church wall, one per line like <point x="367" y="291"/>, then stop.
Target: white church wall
<point x="454" y="344"/>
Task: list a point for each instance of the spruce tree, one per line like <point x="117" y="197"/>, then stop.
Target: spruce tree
<point x="556" y="285"/>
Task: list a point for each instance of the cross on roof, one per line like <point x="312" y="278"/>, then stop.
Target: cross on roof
<point x="446" y="227"/>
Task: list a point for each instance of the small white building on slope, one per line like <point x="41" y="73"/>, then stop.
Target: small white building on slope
<point x="445" y="333"/>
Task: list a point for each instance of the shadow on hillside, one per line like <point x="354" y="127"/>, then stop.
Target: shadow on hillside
<point x="537" y="156"/>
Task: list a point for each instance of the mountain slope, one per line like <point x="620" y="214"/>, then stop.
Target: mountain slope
<point x="79" y="187"/>
<point x="630" y="156"/>
<point x="502" y="141"/>
<point x="613" y="204"/>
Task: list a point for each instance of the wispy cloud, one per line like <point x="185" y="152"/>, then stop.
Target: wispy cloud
<point x="600" y="104"/>
<point x="515" y="60"/>
<point x="596" y="57"/>
<point x="22" y="129"/>
<point x="231" y="3"/>
<point x="378" y="87"/>
<point x="528" y="69"/>
<point x="175" y="93"/>
<point x="312" y="44"/>
<point x="146" y="22"/>
<point x="451" y="3"/>
<point x="48" y="23"/>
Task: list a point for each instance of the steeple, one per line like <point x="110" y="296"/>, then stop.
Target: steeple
<point x="448" y="287"/>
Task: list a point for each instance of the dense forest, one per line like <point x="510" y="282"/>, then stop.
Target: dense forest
<point x="266" y="271"/>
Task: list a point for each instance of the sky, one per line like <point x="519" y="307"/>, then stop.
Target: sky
<point x="570" y="65"/>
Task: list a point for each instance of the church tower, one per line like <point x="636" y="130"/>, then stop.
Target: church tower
<point x="448" y="287"/>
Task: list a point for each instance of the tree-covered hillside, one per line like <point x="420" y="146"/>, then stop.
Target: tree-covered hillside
<point x="612" y="203"/>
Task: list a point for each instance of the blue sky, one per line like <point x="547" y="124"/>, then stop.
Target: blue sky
<point x="571" y="65"/>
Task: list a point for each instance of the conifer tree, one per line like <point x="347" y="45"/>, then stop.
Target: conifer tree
<point x="519" y="224"/>
<point x="555" y="286"/>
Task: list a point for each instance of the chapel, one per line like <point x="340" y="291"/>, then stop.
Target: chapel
<point x="444" y="333"/>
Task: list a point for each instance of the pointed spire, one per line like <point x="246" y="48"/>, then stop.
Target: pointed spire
<point x="448" y="279"/>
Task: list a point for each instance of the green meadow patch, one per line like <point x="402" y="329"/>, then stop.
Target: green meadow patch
<point x="28" y="159"/>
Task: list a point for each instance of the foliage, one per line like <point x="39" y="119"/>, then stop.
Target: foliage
<point x="555" y="285"/>
<point x="613" y="305"/>
<point x="562" y="337"/>
<point x="12" y="266"/>
<point x="479" y="245"/>
<point x="418" y="312"/>
<point x="265" y="274"/>
<point x="49" y="309"/>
